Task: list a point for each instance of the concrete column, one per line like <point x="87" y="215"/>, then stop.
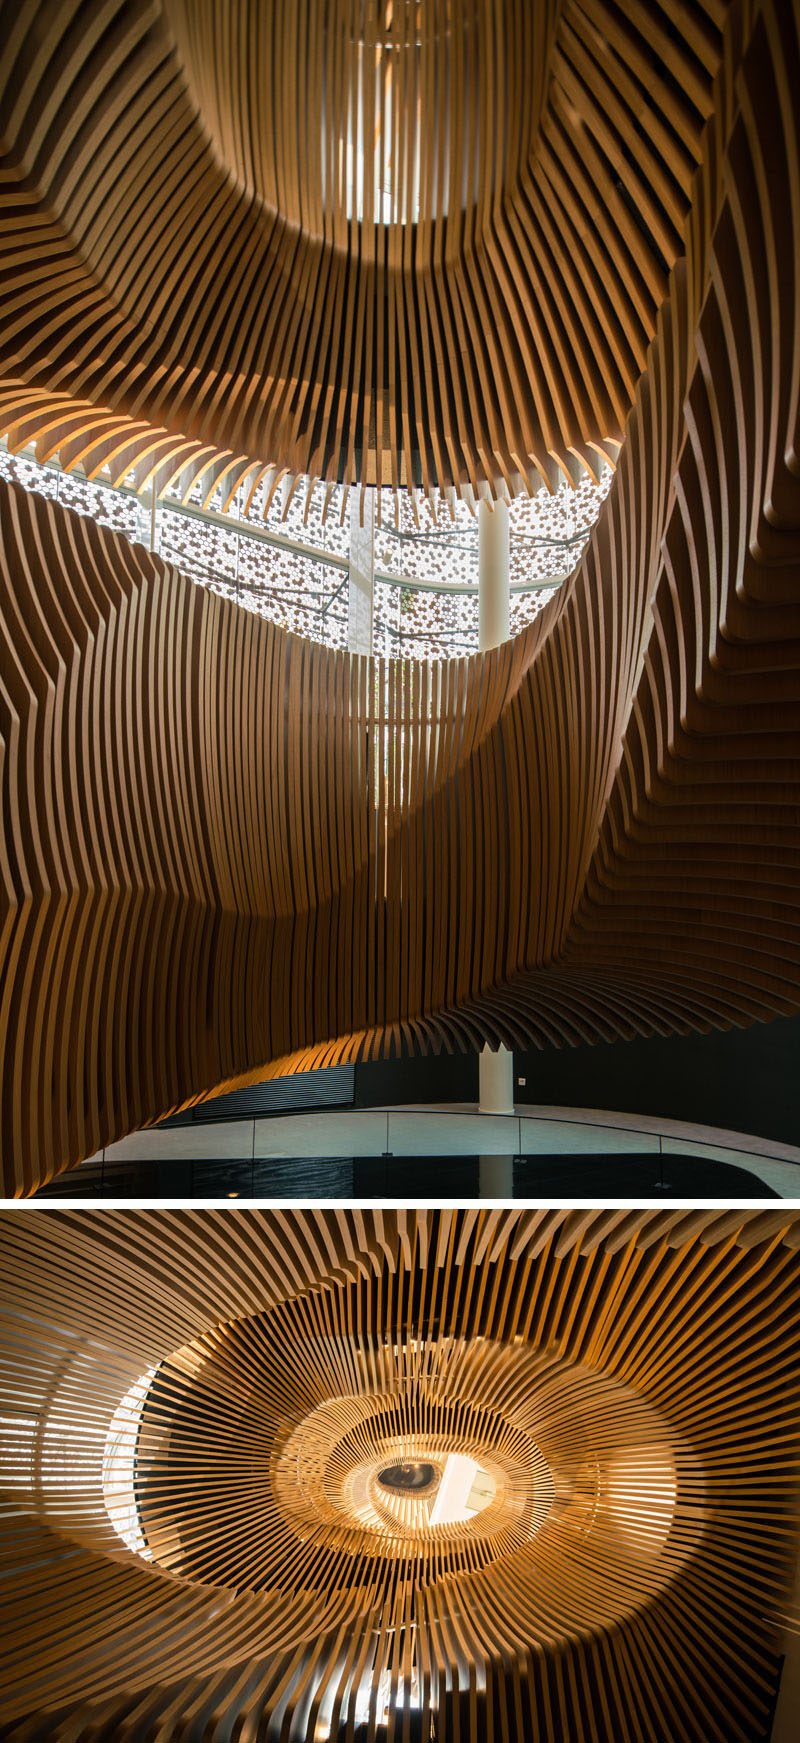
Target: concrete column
<point x="361" y="577"/>
<point x="496" y="1069"/>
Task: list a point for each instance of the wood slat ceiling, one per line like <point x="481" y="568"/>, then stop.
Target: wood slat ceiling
<point x="371" y="240"/>
<point x="227" y="853"/>
<point x="630" y="1380"/>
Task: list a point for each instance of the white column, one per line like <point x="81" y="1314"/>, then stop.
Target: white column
<point x="496" y="1070"/>
<point x="496" y="1079"/>
<point x="493" y="581"/>
<point x="361" y="578"/>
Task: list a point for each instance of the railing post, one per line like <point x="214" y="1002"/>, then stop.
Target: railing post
<point x="496" y="1069"/>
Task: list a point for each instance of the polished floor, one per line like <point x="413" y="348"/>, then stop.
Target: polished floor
<point x="420" y="1178"/>
<point x="430" y="1152"/>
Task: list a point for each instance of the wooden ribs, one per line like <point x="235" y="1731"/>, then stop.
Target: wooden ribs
<point x="411" y="245"/>
<point x="629" y="1379"/>
<point x="226" y="853"/>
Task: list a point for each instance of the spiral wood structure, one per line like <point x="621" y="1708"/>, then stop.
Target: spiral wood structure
<point x="380" y="241"/>
<point x="630" y="1379"/>
<point x="226" y="853"/>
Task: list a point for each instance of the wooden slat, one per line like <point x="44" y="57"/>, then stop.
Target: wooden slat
<point x="184" y="247"/>
<point x="629" y="1383"/>
<point x="226" y="855"/>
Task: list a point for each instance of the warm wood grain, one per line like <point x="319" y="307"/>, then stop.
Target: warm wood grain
<point x="630" y="1380"/>
<point x="227" y="853"/>
<point x="189" y="290"/>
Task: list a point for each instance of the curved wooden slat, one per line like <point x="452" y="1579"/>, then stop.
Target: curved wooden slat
<point x="629" y="1379"/>
<point x="226" y="853"/>
<point x="409" y="245"/>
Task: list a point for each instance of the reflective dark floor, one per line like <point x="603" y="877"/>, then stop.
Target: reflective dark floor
<point x="419" y="1178"/>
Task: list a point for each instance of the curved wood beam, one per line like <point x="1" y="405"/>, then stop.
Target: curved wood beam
<point x="228" y="854"/>
<point x="630" y="1380"/>
<point x="409" y="245"/>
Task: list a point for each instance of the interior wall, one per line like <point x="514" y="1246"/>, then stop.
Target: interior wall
<point x="744" y="1080"/>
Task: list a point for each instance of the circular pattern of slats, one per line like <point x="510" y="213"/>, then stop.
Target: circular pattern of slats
<point x="653" y="1356"/>
<point x="226" y="853"/>
<point x="241" y="1484"/>
<point x="189" y="290"/>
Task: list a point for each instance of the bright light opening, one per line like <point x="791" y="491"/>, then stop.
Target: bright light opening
<point x="465" y="1490"/>
<point x="119" y="1466"/>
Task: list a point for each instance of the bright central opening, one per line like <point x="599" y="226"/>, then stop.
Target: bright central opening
<point x="465" y="1490"/>
<point x="409" y="1478"/>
